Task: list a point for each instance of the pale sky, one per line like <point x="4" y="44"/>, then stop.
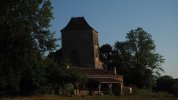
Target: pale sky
<point x="114" y="18"/>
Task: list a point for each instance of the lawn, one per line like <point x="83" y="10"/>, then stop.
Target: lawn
<point x="150" y="96"/>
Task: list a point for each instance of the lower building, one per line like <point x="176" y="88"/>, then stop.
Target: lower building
<point x="100" y="82"/>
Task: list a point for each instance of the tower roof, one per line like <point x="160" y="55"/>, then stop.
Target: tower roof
<point x="77" y="23"/>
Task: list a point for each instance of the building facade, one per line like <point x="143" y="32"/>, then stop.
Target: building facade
<point x="80" y="44"/>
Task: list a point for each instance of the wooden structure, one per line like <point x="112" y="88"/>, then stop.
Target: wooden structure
<point x="101" y="81"/>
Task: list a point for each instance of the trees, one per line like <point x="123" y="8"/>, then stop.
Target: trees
<point x="135" y="58"/>
<point x="106" y="54"/>
<point x="165" y="83"/>
<point x="175" y="89"/>
<point x="138" y="54"/>
<point x="24" y="38"/>
<point x="168" y="84"/>
<point x="58" y="74"/>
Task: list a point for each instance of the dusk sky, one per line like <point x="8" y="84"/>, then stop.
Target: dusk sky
<point x="114" y="18"/>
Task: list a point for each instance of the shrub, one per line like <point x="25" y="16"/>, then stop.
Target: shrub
<point x="68" y="89"/>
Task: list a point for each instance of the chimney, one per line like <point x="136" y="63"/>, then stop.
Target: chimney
<point x="115" y="71"/>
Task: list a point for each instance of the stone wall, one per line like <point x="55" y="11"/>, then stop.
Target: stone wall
<point x="81" y="48"/>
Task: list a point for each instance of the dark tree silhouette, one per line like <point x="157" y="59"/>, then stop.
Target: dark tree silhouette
<point x="24" y="38"/>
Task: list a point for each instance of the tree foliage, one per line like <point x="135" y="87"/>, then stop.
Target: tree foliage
<point x="68" y="88"/>
<point x="168" y="84"/>
<point x="24" y="38"/>
<point x="136" y="58"/>
<point x="58" y="74"/>
<point x="165" y="83"/>
<point x="106" y="54"/>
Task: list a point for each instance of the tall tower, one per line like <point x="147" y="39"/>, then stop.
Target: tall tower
<point x="80" y="44"/>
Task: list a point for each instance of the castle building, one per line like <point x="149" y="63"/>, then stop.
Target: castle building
<point x="80" y="46"/>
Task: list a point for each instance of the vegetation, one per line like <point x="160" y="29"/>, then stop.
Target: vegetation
<point x="25" y="39"/>
<point x="167" y="84"/>
<point x="68" y="88"/>
<point x="147" y="96"/>
<point x="135" y="58"/>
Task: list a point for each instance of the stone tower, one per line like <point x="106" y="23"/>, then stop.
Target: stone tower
<point x="80" y="44"/>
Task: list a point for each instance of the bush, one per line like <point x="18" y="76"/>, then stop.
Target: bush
<point x="127" y="90"/>
<point x="167" y="84"/>
<point x="68" y="89"/>
<point x="44" y="90"/>
<point x="175" y="88"/>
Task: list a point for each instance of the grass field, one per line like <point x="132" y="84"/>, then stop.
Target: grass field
<point x="150" y="96"/>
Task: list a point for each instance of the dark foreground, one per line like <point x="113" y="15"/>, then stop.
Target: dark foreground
<point x="150" y="96"/>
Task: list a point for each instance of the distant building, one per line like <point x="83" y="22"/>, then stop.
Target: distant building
<point x="80" y="46"/>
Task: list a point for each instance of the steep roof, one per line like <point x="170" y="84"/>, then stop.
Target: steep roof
<point x="77" y="23"/>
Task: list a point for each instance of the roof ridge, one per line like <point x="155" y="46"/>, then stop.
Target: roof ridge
<point x="77" y="23"/>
